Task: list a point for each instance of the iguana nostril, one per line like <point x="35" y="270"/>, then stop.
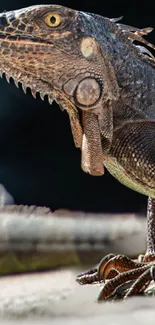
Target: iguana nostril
<point x="88" y="92"/>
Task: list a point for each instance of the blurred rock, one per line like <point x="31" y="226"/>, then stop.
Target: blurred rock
<point x="5" y="197"/>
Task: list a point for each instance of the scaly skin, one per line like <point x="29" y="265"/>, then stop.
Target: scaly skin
<point x="90" y="66"/>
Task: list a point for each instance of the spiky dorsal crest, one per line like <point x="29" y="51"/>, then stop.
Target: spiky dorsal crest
<point x="136" y="34"/>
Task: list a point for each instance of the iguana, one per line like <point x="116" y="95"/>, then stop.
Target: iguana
<point x="90" y="65"/>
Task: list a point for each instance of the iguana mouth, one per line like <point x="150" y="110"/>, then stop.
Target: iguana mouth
<point x="24" y="39"/>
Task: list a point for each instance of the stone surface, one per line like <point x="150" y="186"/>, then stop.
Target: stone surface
<point x="33" y="238"/>
<point x="54" y="297"/>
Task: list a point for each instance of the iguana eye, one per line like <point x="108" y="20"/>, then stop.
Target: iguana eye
<point x="53" y="20"/>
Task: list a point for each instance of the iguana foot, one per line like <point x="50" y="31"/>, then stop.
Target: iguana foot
<point x="122" y="276"/>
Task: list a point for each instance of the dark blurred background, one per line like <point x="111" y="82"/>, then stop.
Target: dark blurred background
<point x="38" y="161"/>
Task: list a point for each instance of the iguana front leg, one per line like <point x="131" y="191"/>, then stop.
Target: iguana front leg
<point x="132" y="161"/>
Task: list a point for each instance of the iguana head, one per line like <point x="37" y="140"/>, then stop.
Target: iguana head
<point x="53" y="50"/>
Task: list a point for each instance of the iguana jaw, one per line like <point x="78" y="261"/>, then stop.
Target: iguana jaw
<point x="44" y="66"/>
<point x="27" y="81"/>
<point x="83" y="138"/>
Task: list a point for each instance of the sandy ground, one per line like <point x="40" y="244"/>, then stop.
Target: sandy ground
<point x="55" y="298"/>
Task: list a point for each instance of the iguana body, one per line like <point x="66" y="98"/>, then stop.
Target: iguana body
<point x="90" y="66"/>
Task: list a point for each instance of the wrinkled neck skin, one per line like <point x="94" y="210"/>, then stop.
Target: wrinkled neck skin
<point x="134" y="75"/>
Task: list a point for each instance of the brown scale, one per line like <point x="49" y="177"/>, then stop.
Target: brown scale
<point x="135" y="150"/>
<point x="132" y="146"/>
